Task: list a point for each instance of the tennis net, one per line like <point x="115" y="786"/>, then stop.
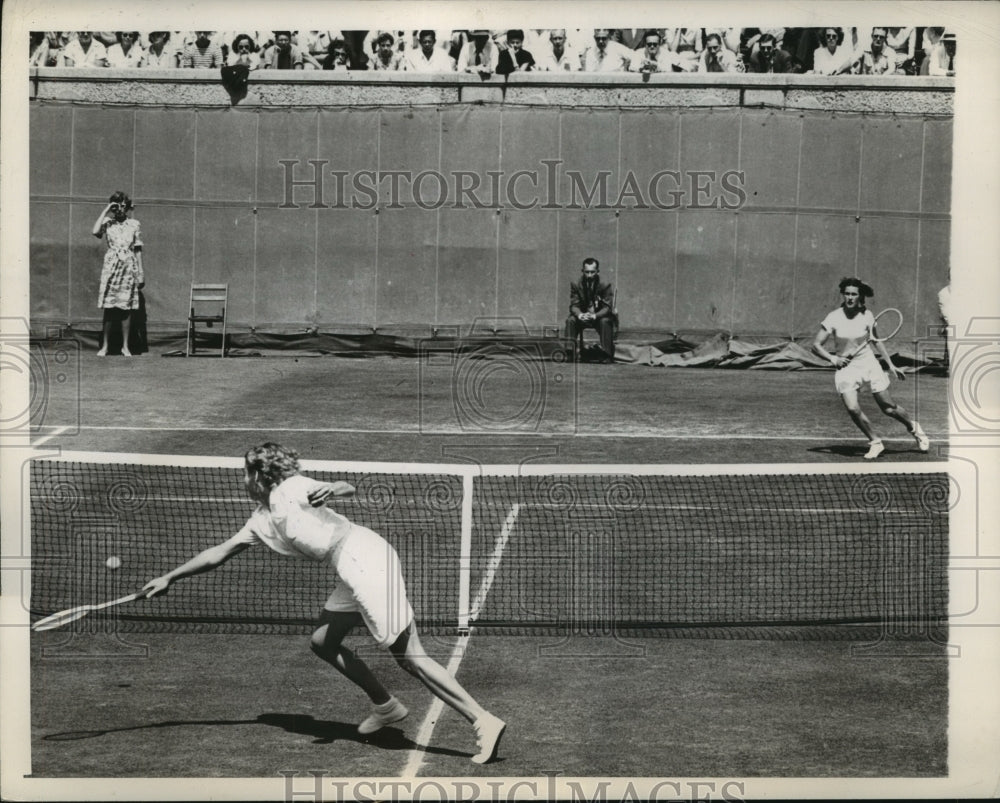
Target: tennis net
<point x="513" y="549"/>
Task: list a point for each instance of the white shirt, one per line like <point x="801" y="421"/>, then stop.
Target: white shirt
<point x="827" y="63"/>
<point x="546" y="60"/>
<point x="96" y="53"/>
<point x="440" y="61"/>
<point x="616" y="58"/>
<point x="852" y="330"/>
<point x="292" y="526"/>
<point x="117" y="57"/>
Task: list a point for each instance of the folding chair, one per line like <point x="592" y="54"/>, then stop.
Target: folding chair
<point x="205" y="298"/>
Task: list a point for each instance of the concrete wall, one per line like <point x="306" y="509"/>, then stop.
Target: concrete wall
<point x="765" y="191"/>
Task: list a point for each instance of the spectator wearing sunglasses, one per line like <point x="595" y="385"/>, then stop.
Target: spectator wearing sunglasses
<point x="244" y="51"/>
<point x="85" y="51"/>
<point x="769" y="58"/>
<point x="833" y="58"/>
<point x="878" y="58"/>
<point x="606" y="55"/>
<point x="652" y="58"/>
<point x="126" y="53"/>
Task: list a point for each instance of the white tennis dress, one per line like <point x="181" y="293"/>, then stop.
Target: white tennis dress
<point x="369" y="578"/>
<point x="864" y="368"/>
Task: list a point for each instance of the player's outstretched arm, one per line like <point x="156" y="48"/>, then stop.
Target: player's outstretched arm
<point x="204" y="561"/>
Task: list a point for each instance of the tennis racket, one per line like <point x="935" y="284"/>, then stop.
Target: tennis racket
<point x="72" y="614"/>
<point x="887" y="323"/>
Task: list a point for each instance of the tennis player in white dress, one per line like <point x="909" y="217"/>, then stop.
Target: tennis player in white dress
<point x="292" y="519"/>
<point x="851" y="325"/>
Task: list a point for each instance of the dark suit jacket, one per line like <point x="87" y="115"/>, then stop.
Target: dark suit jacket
<point x="780" y="62"/>
<point x="581" y="299"/>
<point x="633" y="38"/>
<point x="505" y="64"/>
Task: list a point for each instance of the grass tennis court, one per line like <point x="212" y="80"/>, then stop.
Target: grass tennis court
<point x="395" y="409"/>
<point x="789" y="703"/>
<point x="251" y="706"/>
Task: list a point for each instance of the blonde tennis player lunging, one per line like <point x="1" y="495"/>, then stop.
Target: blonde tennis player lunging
<point x="852" y="324"/>
<point x="291" y="518"/>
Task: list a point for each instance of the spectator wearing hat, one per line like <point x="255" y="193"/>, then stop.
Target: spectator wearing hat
<point x="479" y="54"/>
<point x="941" y="60"/>
<point x="515" y="58"/>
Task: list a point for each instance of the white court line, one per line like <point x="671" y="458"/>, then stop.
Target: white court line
<point x="674" y="434"/>
<point x="494" y="564"/>
<point x="417" y="755"/>
<point x="45" y="438"/>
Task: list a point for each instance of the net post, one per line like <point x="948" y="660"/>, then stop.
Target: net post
<point x="465" y="555"/>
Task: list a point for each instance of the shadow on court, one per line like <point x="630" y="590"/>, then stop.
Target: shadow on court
<point x="322" y="731"/>
<point x="652" y="707"/>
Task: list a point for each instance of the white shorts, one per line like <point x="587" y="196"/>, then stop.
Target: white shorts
<point x="370" y="582"/>
<point x="863" y="370"/>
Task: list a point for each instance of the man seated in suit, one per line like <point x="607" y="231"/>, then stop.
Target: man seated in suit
<point x="592" y="306"/>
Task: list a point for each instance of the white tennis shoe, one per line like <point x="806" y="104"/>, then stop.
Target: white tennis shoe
<point x="923" y="442"/>
<point x="875" y="448"/>
<point x="385" y="714"/>
<point x="489" y="729"/>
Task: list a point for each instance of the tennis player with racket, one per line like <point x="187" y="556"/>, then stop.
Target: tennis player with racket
<point x="858" y="334"/>
<point x="292" y="519"/>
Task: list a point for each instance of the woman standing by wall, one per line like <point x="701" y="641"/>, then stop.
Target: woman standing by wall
<point x="121" y="276"/>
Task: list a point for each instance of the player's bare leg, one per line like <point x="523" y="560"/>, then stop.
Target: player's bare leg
<point x="411" y="656"/>
<point x="894" y="410"/>
<point x="875" y="447"/>
<point x="327" y="643"/>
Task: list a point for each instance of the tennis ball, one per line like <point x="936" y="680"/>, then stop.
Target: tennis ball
<point x="113" y="562"/>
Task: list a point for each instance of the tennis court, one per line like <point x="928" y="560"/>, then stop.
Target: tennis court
<point x="645" y="623"/>
<point x="501" y="410"/>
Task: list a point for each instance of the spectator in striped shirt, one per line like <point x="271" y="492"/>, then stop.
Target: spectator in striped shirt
<point x="202" y="53"/>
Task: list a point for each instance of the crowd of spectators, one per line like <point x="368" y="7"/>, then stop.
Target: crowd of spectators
<point x="823" y="51"/>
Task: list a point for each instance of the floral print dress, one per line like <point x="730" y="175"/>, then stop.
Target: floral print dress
<point x="122" y="272"/>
